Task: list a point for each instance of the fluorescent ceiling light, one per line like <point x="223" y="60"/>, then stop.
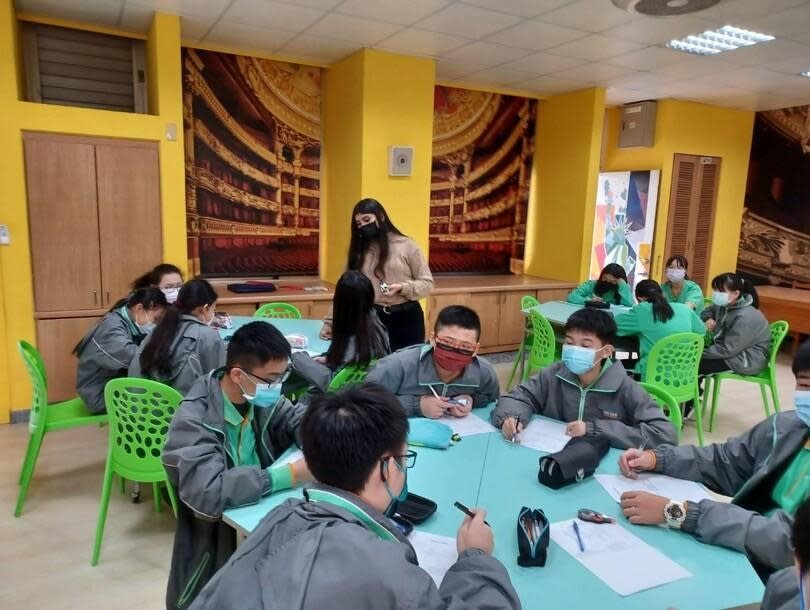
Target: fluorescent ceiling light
<point x="712" y="42"/>
<point x="807" y="74"/>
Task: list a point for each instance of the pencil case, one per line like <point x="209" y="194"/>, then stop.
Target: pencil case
<point x="533" y="537"/>
<point x="415" y="509"/>
<point x="430" y="433"/>
<point x="577" y="461"/>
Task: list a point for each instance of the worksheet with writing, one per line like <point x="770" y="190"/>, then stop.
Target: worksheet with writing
<point x="436" y="554"/>
<point x="293" y="457"/>
<point x="469" y="425"/>
<point x="658" y="484"/>
<point x="544" y="435"/>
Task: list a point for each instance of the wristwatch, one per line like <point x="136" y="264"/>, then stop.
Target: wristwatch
<point x="675" y="513"/>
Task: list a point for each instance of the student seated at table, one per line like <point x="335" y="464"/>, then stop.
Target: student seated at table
<point x="679" y="288"/>
<point x="789" y="588"/>
<point x="741" y="334"/>
<point x="183" y="346"/>
<point x="611" y="288"/>
<point x="588" y="390"/>
<point x="358" y="336"/>
<point x="764" y="469"/>
<point x="445" y="377"/>
<point x="336" y="547"/>
<point x="219" y="453"/>
<point x="654" y="319"/>
<point x="165" y="276"/>
<point x="107" y="350"/>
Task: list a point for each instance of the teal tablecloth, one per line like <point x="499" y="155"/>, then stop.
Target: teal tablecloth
<point x="308" y="328"/>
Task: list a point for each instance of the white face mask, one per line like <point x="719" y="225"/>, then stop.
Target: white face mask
<point x="170" y="294"/>
<point x="676" y="276"/>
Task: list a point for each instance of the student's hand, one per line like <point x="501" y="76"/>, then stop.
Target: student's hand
<point x="710" y="324"/>
<point x="301" y="471"/>
<point x="461" y="410"/>
<point x="475" y="534"/>
<point x="575" y="428"/>
<point x="433" y="407"/>
<point x="510" y="427"/>
<point x="633" y="461"/>
<point x="319" y="359"/>
<point x="326" y="333"/>
<point x="394" y="288"/>
<point x="644" y="508"/>
<point x="597" y="298"/>
<point x="691" y="305"/>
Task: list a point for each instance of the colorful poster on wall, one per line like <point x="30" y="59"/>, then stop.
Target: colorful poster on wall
<point x="624" y="223"/>
<point x="253" y="158"/>
<point x="483" y="144"/>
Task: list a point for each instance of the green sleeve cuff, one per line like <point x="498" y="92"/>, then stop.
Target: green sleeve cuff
<point x="281" y="477"/>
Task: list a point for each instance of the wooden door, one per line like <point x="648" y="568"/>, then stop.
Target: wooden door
<point x="55" y="341"/>
<point x="128" y="214"/>
<point x="63" y="219"/>
<point x="488" y="307"/>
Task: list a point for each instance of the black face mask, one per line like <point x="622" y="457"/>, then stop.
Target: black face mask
<point x="369" y="231"/>
<point x="603" y="287"/>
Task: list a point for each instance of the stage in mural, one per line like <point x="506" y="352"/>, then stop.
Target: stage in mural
<point x="624" y="223"/>
<point x="253" y="148"/>
<point x="482" y="158"/>
<point x="775" y="235"/>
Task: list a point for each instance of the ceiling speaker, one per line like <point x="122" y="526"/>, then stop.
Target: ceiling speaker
<point x="400" y="160"/>
<point x="664" y="8"/>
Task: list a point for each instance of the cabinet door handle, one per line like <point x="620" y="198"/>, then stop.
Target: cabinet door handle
<point x="108" y="297"/>
<point x="95" y="297"/>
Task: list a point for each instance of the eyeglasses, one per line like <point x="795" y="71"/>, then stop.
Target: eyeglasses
<point x="406" y="461"/>
<point x="172" y="286"/>
<point x="465" y="349"/>
<point x="271" y="381"/>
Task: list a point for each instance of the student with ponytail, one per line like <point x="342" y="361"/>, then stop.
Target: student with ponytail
<point x="183" y="347"/>
<point x="165" y="276"/>
<point x="107" y="350"/>
<point x="655" y="318"/>
<point x="741" y="334"/>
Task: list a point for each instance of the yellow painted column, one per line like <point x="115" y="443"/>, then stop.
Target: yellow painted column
<point x="563" y="195"/>
<point x="373" y="100"/>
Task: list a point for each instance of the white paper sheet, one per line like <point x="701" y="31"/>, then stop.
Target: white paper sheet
<point x="469" y="425"/>
<point x="544" y="435"/>
<point x="658" y="484"/>
<point x="293" y="457"/>
<point x="622" y="561"/>
<point x="436" y="554"/>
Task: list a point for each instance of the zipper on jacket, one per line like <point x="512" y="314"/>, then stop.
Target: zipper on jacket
<point x="264" y="431"/>
<point x="224" y="441"/>
<point x="583" y="393"/>
<point x="191" y="585"/>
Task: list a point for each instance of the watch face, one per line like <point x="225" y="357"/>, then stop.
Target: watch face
<point x="675" y="512"/>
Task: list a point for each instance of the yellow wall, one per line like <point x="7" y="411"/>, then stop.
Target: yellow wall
<point x="16" y="289"/>
<point x="563" y="193"/>
<point x="373" y="100"/>
<point x="696" y="129"/>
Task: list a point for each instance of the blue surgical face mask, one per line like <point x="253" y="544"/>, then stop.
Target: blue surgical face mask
<point x="578" y="359"/>
<point x="801" y="400"/>
<point x="720" y="298"/>
<point x="395" y="500"/>
<point x="147" y="328"/>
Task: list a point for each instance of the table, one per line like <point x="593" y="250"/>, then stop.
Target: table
<point x="287" y="326"/>
<point x="789" y="304"/>
<point x="487" y="471"/>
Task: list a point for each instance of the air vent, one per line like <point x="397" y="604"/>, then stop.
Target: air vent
<point x="664" y="8"/>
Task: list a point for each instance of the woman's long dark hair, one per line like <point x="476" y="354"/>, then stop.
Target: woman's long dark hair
<point x="601" y="288"/>
<point x="352" y="316"/>
<point x="156" y="356"/>
<point x="734" y="281"/>
<point x="358" y="246"/>
<point x="651" y="290"/>
<point x="681" y="260"/>
<point x="153" y="277"/>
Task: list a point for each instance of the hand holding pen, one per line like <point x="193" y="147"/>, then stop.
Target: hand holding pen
<point x="511" y="428"/>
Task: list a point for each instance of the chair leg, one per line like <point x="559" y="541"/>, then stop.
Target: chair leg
<point x="156" y="497"/>
<point x="699" y="417"/>
<point x="715" y="401"/>
<point x="27" y="471"/>
<point x="765" y="400"/>
<point x="775" y="393"/>
<point x="514" y="368"/>
<point x="172" y="497"/>
<point x="123" y="485"/>
<point x="102" y="511"/>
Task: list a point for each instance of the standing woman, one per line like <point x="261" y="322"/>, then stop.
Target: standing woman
<point x="108" y="349"/>
<point x="165" y="276"/>
<point x="397" y="269"/>
<point x="679" y="288"/>
<point x="183" y="346"/>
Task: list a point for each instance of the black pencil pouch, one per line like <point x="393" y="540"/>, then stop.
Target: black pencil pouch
<point x="533" y="537"/>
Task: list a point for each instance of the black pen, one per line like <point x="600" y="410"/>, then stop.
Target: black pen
<point x="467" y="511"/>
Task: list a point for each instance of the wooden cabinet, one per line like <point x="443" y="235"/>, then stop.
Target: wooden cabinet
<point x="512" y="319"/>
<point x="55" y="340"/>
<point x="488" y="307"/>
<point x="318" y="309"/>
<point x="438" y="302"/>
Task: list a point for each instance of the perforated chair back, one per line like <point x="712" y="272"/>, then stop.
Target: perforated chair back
<point x="278" y="310"/>
<point x="673" y="365"/>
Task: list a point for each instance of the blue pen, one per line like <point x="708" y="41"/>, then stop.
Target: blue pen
<point x="579" y="538"/>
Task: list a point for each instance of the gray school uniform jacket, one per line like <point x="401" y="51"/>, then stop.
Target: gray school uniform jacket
<point x="307" y="555"/>
<point x="198" y="461"/>
<point x="782" y="591"/>
<point x="742" y="337"/>
<point x="105" y="353"/>
<point x="409" y="373"/>
<point x="746" y="467"/>
<point x="196" y="350"/>
<point x="614" y="406"/>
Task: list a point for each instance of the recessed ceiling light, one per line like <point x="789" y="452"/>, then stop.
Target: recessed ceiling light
<point x="677" y="3"/>
<point x="712" y="42"/>
<point x="807" y="74"/>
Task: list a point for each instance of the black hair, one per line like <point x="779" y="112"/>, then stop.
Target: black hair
<point x="352" y="317"/>
<point x="651" y="290"/>
<point x="156" y="356"/>
<point x="346" y="434"/>
<point x="734" y="281"/>
<point x="458" y="315"/>
<point x="595" y="321"/>
<point x="153" y="277"/>
<point x="801" y="361"/>
<point x="800" y="538"/>
<point x="255" y="344"/>
<point x="602" y="288"/>
<point x="682" y="262"/>
<point x="358" y="246"/>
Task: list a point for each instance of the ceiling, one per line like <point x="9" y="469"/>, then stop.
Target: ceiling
<point x="541" y="47"/>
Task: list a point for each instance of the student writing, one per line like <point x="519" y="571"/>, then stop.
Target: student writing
<point x="789" y="589"/>
<point x="611" y="288"/>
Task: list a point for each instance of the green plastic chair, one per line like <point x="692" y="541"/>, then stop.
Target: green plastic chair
<point x="350" y="374"/>
<point x="278" y="310"/>
<point x="46" y="417"/>
<point x="766" y="378"/>
<point x="544" y="344"/>
<point x="672" y="365"/>
<point x="526" y="303"/>
<point x="669" y="405"/>
<point x="140" y="412"/>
